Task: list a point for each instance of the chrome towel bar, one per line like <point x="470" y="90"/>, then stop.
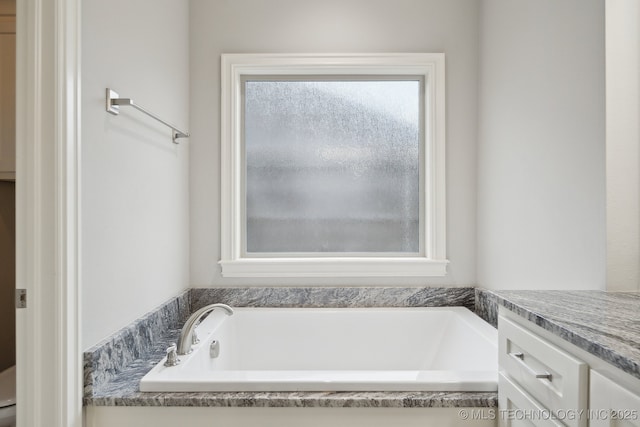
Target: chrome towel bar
<point x="113" y="106"/>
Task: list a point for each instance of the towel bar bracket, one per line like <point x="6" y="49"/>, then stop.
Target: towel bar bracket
<point x="112" y="107"/>
<point x="113" y="103"/>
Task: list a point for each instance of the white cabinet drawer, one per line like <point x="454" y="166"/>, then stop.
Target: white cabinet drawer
<point x="611" y="404"/>
<point x="518" y="409"/>
<point x="550" y="375"/>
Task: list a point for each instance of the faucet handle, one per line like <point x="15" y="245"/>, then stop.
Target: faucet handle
<point x="172" y="356"/>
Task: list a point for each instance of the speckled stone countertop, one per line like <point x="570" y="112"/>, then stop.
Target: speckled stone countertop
<point x="113" y="368"/>
<point x="308" y="399"/>
<point x="123" y="390"/>
<point x="605" y="324"/>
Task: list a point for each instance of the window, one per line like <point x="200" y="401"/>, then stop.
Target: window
<point x="333" y="165"/>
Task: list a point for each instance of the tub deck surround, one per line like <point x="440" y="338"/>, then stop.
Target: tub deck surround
<point x="114" y="367"/>
<point x="335" y="297"/>
<point x="486" y="306"/>
<point x="108" y="360"/>
<point x="343" y="399"/>
<point x="605" y="324"/>
<point x="124" y="390"/>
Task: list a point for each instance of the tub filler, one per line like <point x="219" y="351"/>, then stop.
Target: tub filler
<point x="336" y="349"/>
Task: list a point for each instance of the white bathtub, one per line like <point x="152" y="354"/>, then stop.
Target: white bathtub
<point x="337" y="349"/>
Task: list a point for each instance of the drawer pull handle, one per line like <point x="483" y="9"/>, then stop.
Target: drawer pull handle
<point x="520" y="358"/>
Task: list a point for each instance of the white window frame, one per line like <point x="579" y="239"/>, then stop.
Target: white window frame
<point x="432" y="261"/>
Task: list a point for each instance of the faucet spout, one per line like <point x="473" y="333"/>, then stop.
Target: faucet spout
<point x="186" y="339"/>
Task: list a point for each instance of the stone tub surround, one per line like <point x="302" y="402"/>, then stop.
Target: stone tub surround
<point x="335" y="297"/>
<point x="116" y="382"/>
<point x="605" y="324"/>
<point x="307" y="399"/>
<point x="143" y="339"/>
<point x="486" y="306"/>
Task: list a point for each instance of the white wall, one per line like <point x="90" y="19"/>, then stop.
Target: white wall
<point x="135" y="244"/>
<point x="540" y="79"/>
<point x="623" y="144"/>
<point x="258" y="26"/>
<point x="541" y="175"/>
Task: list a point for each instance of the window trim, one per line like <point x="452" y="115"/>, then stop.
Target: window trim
<point x="428" y="65"/>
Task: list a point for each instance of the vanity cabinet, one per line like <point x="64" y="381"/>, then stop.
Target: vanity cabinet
<point x="611" y="404"/>
<point x="514" y="402"/>
<point x="547" y="381"/>
<point x="7" y="97"/>
<point x="538" y="381"/>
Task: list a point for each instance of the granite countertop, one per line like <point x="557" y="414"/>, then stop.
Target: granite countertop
<point x="113" y="368"/>
<point x="307" y="399"/>
<point x="605" y="324"/>
<point x="124" y="390"/>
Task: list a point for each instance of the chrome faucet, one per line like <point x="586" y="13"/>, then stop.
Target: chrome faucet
<point x="186" y="335"/>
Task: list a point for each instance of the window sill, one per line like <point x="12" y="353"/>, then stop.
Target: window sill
<point x="334" y="267"/>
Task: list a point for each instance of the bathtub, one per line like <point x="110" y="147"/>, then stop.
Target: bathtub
<point x="337" y="349"/>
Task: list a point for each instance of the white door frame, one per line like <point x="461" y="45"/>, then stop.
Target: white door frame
<point x="49" y="361"/>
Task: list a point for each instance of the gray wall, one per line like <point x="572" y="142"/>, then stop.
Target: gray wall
<point x="258" y="26"/>
<point x="541" y="147"/>
<point x="525" y="120"/>
<point x="135" y="239"/>
<point x="623" y="149"/>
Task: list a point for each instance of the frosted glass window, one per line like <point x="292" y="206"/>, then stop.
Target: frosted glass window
<point x="332" y="166"/>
